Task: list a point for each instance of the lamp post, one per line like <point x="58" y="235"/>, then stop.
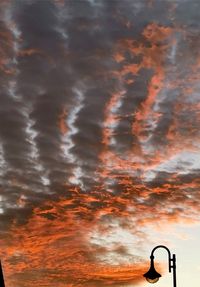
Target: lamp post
<point x="152" y="275"/>
<point x="1" y="277"/>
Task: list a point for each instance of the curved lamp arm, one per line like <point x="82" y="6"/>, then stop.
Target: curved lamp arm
<point x="172" y="260"/>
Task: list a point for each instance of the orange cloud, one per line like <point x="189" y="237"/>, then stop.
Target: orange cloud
<point x="62" y="122"/>
<point x="53" y="244"/>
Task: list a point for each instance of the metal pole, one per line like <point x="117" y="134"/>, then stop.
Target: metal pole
<point x="1" y="277"/>
<point x="174" y="269"/>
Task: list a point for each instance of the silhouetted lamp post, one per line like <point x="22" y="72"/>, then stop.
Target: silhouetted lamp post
<point x="152" y="275"/>
<point x="1" y="277"/>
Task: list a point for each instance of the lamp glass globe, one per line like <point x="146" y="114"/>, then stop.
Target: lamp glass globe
<point x="152" y="280"/>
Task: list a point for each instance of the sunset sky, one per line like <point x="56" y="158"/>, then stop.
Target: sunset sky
<point x="99" y="141"/>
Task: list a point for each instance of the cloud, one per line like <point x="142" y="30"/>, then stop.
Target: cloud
<point x="99" y="135"/>
<point x="54" y="241"/>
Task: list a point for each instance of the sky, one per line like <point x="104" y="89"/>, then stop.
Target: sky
<point x="99" y="141"/>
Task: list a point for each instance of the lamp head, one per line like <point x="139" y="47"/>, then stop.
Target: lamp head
<point x="152" y="276"/>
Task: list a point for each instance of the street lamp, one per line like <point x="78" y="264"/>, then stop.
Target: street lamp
<point x="1" y="277"/>
<point x="152" y="275"/>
